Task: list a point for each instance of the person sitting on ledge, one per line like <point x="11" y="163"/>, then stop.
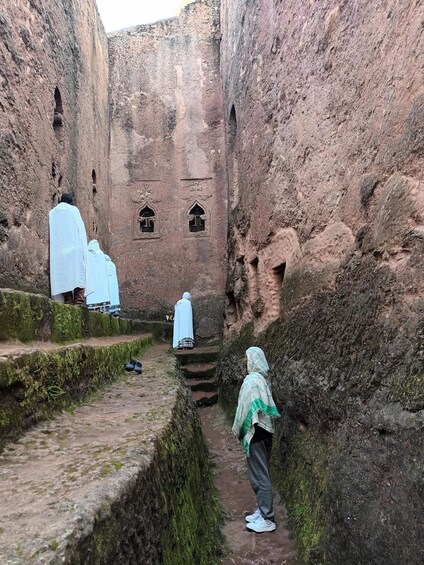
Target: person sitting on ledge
<point x="183" y="337"/>
<point x="68" y="253"/>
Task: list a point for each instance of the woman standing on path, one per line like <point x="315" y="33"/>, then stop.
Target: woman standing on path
<point x="254" y="426"/>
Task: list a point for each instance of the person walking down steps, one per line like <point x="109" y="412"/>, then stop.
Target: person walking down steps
<point x="254" y="425"/>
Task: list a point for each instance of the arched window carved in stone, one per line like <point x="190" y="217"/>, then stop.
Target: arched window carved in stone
<point x="94" y="182"/>
<point x="58" y="110"/>
<point x="197" y="219"/>
<point x="146" y="220"/>
<point x="232" y="158"/>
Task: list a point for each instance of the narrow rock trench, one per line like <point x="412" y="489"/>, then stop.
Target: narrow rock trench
<point x="237" y="499"/>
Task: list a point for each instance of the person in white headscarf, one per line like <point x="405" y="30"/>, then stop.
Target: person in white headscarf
<point x="68" y="253"/>
<point x="115" y="306"/>
<point x="99" y="299"/>
<point x="254" y="426"/>
<point x="183" y="337"/>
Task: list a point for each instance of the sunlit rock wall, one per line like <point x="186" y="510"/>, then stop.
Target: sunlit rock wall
<point x="324" y="119"/>
<point x="44" y="46"/>
<point x="167" y="156"/>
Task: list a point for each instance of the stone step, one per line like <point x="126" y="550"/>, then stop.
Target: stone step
<point x="203" y="398"/>
<point x="197" y="355"/>
<point x="108" y="482"/>
<point x="207" y="385"/>
<point x="199" y="370"/>
<point x="38" y="379"/>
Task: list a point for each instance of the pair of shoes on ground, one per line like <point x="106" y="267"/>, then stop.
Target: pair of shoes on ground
<point x="257" y="523"/>
<point x="134" y="365"/>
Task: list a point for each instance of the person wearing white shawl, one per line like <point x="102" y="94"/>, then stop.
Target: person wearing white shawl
<point x="68" y="253"/>
<point x="183" y="337"/>
<point x="115" y="306"/>
<point x="99" y="299"/>
<point x="254" y="425"/>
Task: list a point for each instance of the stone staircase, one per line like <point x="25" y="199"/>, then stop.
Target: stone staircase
<point x="198" y="367"/>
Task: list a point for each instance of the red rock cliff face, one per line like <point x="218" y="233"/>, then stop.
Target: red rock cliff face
<point x="324" y="109"/>
<point x="54" y="129"/>
<point x="167" y="165"/>
<point x="324" y="106"/>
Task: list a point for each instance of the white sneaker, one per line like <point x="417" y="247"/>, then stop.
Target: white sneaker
<point x="254" y="516"/>
<point x="261" y="525"/>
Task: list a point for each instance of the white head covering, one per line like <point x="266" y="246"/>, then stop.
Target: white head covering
<point x="68" y="250"/>
<point x="256" y="361"/>
<point x="183" y="320"/>
<point x="98" y="274"/>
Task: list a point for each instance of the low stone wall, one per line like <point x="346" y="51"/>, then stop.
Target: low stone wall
<point x="38" y="382"/>
<point x="346" y="369"/>
<point x="34" y="317"/>
<point x="171" y="515"/>
<point x="125" y="479"/>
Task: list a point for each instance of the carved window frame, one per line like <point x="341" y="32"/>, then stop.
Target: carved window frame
<point x="205" y="216"/>
<point x="137" y="233"/>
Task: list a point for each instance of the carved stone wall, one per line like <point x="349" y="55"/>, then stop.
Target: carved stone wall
<point x="54" y="129"/>
<point x="167" y="159"/>
<point x="324" y="111"/>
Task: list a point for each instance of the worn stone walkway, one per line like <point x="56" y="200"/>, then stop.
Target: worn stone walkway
<point x="55" y="479"/>
<point x="245" y="547"/>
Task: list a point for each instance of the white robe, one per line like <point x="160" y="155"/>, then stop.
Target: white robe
<point x="97" y="265"/>
<point x="183" y="320"/>
<point x="113" y="282"/>
<point x="68" y="250"/>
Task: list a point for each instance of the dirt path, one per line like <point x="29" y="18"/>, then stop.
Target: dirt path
<point x="245" y="548"/>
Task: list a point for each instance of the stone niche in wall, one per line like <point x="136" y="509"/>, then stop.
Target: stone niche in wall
<point x="145" y="199"/>
<point x="196" y="197"/>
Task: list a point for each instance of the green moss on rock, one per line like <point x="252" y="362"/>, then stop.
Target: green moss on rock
<point x="67" y="322"/>
<point x="171" y="514"/>
<point x="32" y="317"/>
<point x="36" y="384"/>
<point x="23" y="316"/>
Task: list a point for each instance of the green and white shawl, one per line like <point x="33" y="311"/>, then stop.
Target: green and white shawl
<point x="255" y="402"/>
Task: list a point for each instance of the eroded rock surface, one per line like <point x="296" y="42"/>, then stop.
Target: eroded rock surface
<point x="323" y="104"/>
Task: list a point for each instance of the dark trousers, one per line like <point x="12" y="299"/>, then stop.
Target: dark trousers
<point x="259" y="476"/>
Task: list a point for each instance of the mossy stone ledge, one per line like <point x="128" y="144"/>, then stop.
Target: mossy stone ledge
<point x="37" y="383"/>
<point x="33" y="317"/>
<point x="131" y="481"/>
